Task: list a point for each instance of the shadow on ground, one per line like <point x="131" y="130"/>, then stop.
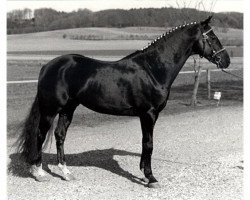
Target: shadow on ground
<point x="103" y="159"/>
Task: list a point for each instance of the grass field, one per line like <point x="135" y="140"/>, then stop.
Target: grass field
<point x="113" y="39"/>
<point x="119" y="33"/>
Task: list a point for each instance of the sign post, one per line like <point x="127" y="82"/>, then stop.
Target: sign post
<point x="217" y="96"/>
<point x="209" y="84"/>
<point x="196" y="85"/>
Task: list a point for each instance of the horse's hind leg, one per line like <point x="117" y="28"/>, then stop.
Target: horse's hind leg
<point x="44" y="126"/>
<point x="65" y="118"/>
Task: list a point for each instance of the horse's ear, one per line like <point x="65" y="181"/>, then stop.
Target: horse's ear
<point x="207" y="21"/>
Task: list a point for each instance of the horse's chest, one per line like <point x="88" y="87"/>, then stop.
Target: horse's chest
<point x="155" y="97"/>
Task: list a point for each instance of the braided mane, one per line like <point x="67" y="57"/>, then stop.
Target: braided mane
<point x="168" y="33"/>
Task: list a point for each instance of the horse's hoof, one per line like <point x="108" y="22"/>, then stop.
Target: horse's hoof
<point x="154" y="185"/>
<point x="42" y="178"/>
<point x="145" y="180"/>
<point x="68" y="177"/>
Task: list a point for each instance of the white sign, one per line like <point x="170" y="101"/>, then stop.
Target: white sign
<point x="217" y="95"/>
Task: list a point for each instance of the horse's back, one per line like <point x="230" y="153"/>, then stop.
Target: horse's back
<point x="91" y="82"/>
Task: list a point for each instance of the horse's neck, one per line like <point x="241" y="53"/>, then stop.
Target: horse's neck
<point x="166" y="58"/>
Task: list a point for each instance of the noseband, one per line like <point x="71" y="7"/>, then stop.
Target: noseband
<point x="205" y="39"/>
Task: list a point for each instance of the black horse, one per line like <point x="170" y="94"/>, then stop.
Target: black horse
<point x="137" y="85"/>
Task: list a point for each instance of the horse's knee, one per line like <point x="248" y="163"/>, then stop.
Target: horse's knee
<point x="60" y="133"/>
<point x="148" y="147"/>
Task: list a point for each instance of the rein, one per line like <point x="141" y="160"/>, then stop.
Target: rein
<point x="231" y="74"/>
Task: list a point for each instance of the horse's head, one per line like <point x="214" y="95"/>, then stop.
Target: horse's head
<point x="209" y="46"/>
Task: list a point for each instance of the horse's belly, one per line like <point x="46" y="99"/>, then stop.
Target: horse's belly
<point x="109" y="108"/>
<point x="108" y="103"/>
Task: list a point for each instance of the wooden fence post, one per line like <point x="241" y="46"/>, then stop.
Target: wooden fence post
<point x="209" y="84"/>
<point x="196" y="85"/>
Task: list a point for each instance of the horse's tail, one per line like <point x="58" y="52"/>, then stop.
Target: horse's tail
<point x="27" y="141"/>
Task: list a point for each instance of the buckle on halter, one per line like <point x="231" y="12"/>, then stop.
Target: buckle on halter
<point x="204" y="36"/>
<point x="215" y="53"/>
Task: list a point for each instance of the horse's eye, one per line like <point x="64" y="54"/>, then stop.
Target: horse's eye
<point x="213" y="37"/>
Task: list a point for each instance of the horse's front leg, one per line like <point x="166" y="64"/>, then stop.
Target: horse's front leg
<point x="147" y="125"/>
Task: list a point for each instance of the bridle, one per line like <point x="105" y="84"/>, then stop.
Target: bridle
<point x="215" y="53"/>
<point x="217" y="58"/>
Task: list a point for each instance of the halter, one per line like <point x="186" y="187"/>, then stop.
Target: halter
<point x="205" y="39"/>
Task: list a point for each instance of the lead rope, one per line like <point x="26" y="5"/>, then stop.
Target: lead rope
<point x="231" y="74"/>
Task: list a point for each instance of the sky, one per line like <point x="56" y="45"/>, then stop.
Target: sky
<point x="96" y="5"/>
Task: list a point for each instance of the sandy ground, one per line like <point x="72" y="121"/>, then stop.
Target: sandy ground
<point x="198" y="154"/>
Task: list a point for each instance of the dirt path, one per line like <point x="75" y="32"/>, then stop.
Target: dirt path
<point x="197" y="155"/>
